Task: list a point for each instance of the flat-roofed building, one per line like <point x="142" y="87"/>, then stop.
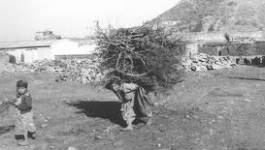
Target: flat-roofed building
<point x="30" y="51"/>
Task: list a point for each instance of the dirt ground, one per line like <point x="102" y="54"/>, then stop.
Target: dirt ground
<point x="216" y="110"/>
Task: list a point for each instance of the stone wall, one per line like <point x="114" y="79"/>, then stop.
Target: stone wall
<point x="245" y="43"/>
<point x="237" y="49"/>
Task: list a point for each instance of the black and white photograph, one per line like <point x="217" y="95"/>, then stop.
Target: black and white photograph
<point x="132" y="74"/>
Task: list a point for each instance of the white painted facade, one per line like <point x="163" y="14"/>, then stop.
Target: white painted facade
<point x="29" y="52"/>
<point x="69" y="47"/>
<point x="192" y="48"/>
<point x="30" y="55"/>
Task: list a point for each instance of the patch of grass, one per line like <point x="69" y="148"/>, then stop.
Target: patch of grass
<point x="75" y="130"/>
<point x="223" y="93"/>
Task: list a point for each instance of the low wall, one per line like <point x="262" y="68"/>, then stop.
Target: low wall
<point x="236" y="49"/>
<point x="251" y="60"/>
<point x="89" y="56"/>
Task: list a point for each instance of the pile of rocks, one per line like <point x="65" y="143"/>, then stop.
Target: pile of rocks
<point x="45" y="65"/>
<point x="204" y="62"/>
<point x="83" y="70"/>
<point x="8" y="67"/>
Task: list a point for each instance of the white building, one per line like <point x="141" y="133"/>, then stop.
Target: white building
<point x="31" y="51"/>
<point x="72" y="47"/>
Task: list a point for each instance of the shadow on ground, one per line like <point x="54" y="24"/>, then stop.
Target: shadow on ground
<point x="247" y="78"/>
<point x="98" y="109"/>
<point x="5" y="129"/>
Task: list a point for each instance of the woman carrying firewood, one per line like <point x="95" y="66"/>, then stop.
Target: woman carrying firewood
<point x="136" y="104"/>
<point x="141" y="59"/>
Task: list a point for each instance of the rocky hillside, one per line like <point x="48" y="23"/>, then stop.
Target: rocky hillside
<point x="214" y="15"/>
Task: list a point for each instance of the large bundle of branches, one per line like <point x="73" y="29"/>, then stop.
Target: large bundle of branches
<point x="143" y="55"/>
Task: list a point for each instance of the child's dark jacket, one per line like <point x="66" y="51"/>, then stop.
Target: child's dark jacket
<point x="24" y="103"/>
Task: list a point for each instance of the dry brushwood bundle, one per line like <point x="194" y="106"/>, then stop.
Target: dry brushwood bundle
<point x="143" y="55"/>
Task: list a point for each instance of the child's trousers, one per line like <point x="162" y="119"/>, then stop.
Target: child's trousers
<point x="25" y="123"/>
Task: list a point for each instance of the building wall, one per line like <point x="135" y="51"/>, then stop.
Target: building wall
<point x="4" y="58"/>
<point x="57" y="48"/>
<point x="32" y="55"/>
<point x="198" y="42"/>
<point x="17" y="53"/>
<point x="192" y="48"/>
<point x="68" y="47"/>
<point x="29" y="55"/>
<point x="236" y="49"/>
<point x="219" y="36"/>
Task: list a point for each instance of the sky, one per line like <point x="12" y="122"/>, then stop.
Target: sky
<point x="20" y="19"/>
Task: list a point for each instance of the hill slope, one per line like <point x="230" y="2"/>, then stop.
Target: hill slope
<point x="215" y="15"/>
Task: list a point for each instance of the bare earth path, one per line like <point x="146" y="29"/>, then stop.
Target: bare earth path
<point x="218" y="110"/>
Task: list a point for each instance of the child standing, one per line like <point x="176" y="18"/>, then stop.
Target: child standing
<point x="25" y="126"/>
